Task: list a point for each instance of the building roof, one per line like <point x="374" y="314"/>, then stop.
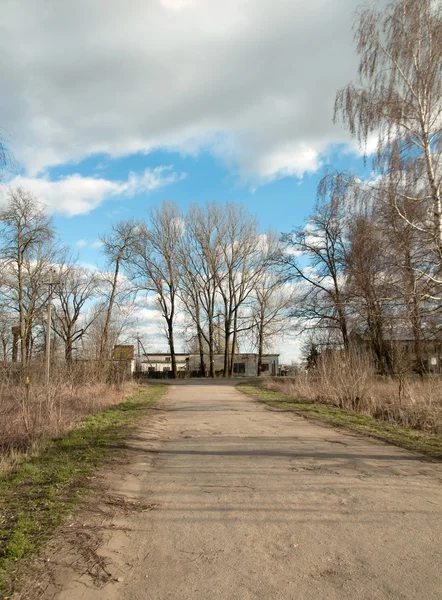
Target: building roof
<point x="165" y="354"/>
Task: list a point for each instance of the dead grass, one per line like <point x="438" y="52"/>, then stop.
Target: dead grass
<point x="350" y="384"/>
<point x="38" y="495"/>
<point x="32" y="414"/>
<point x="412" y="439"/>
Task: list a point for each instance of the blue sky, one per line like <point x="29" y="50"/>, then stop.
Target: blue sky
<point x="281" y="204"/>
<point x="110" y="107"/>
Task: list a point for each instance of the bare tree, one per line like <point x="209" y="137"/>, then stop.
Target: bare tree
<point x="154" y="265"/>
<point x="27" y="232"/>
<point x="76" y="287"/>
<point x="407" y="254"/>
<point x="242" y="265"/>
<point x="117" y="247"/>
<point x="270" y="310"/>
<point x="314" y="259"/>
<point x="399" y="100"/>
<point x="370" y="288"/>
<point x="201" y="262"/>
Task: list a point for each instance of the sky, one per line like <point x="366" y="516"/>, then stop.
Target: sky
<point x="109" y="107"/>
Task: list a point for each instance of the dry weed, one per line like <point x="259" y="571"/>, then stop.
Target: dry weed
<point x="33" y="413"/>
<point x="351" y="384"/>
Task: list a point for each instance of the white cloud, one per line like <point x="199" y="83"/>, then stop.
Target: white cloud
<point x="75" y="194"/>
<point x="253" y="82"/>
<point x="81" y="243"/>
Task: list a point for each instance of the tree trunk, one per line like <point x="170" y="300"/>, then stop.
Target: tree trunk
<point x="234" y="338"/>
<point x="260" y="344"/>
<point x="15" y="343"/>
<point x="21" y="309"/>
<point x="172" y="348"/>
<point x="104" y="351"/>
<point x="211" y="347"/>
<point x="200" y="337"/>
<point x="226" y="371"/>
<point x="201" y="350"/>
<point x="435" y="193"/>
<point x="415" y="314"/>
<point x="68" y="350"/>
<point x="343" y="328"/>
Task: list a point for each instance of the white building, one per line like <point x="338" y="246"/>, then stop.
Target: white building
<point x="245" y="364"/>
<point x="160" y="362"/>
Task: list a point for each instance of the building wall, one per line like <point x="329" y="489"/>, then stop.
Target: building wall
<point x="246" y="364"/>
<point x="161" y="363"/>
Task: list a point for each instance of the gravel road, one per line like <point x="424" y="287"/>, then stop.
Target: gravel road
<point x="238" y="501"/>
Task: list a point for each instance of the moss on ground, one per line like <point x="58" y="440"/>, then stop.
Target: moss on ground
<point x="46" y="488"/>
<point x="411" y="439"/>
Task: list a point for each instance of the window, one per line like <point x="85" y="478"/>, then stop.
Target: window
<point x="166" y="369"/>
<point x="151" y="369"/>
<point x="265" y="367"/>
<point x="239" y="368"/>
<point x="167" y="359"/>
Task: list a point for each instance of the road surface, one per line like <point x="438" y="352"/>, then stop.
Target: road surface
<point x="237" y="501"/>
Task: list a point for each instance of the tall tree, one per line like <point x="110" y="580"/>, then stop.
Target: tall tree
<point x="154" y="265"/>
<point x="270" y="311"/>
<point x="201" y="263"/>
<point x="117" y="247"/>
<point x="370" y="289"/>
<point x="77" y="287"/>
<point x="398" y="99"/>
<point x="314" y="259"/>
<point x="26" y="232"/>
<point x="242" y="265"/>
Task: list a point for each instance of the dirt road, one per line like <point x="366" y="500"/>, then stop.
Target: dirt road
<point x="241" y="502"/>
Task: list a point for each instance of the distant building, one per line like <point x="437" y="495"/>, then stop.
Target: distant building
<point x="160" y="362"/>
<point x="400" y="344"/>
<point x="245" y="364"/>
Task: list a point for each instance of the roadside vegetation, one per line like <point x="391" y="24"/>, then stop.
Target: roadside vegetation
<point x="43" y="489"/>
<point x="407" y="413"/>
<point x="33" y="413"/>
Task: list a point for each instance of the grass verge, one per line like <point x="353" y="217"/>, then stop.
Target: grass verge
<point x="411" y="439"/>
<point x="46" y="488"/>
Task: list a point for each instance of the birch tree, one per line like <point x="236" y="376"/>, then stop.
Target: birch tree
<point x="398" y="101"/>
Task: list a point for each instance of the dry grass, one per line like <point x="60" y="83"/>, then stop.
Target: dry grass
<point x="350" y="384"/>
<point x="37" y="496"/>
<point x="31" y="414"/>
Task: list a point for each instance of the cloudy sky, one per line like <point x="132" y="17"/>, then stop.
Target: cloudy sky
<point x="111" y="106"/>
